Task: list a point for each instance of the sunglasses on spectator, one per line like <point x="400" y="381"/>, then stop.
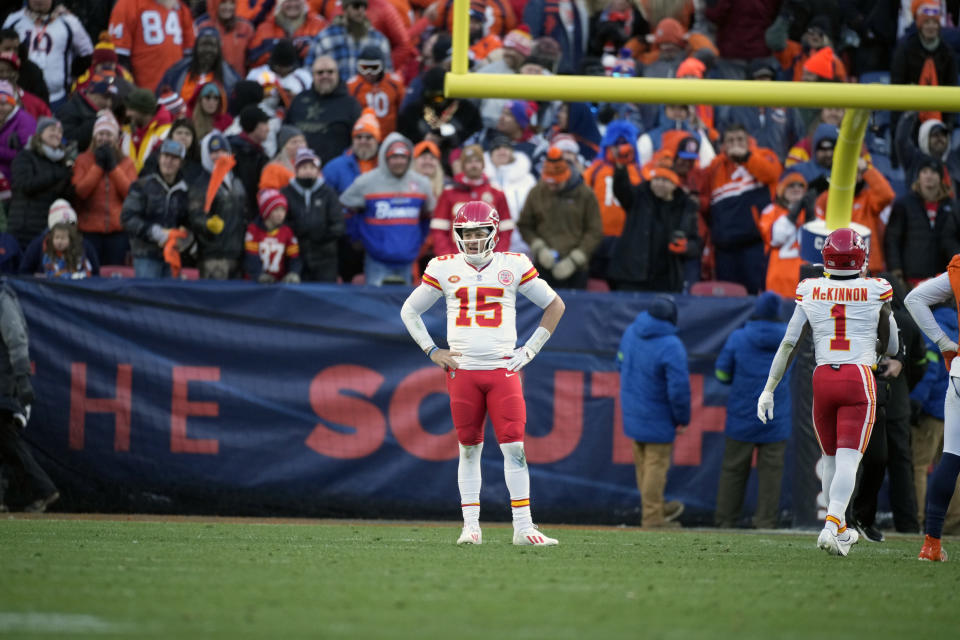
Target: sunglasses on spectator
<point x="929" y="10"/>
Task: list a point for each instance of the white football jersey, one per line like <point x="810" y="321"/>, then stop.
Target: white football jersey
<point x="482" y="304"/>
<point x="843" y="315"/>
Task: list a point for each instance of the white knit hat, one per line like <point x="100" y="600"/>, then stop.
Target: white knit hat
<point x="61" y="211"/>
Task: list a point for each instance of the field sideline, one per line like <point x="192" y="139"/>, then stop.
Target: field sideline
<point x="122" y="577"/>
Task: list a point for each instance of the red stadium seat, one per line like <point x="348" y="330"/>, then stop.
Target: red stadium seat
<point x="116" y="271"/>
<point x="718" y="289"/>
<point x="597" y="284"/>
<point x="189" y="274"/>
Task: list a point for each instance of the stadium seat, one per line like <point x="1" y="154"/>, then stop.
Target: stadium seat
<point x="189" y="274"/>
<point x="718" y="289"/>
<point x="598" y="284"/>
<point x="116" y="271"/>
<point x="875" y="77"/>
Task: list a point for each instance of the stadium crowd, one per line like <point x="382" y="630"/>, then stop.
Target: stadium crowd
<point x="310" y="140"/>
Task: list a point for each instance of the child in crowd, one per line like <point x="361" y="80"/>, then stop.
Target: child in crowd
<point x="273" y="254"/>
<point x="63" y="253"/>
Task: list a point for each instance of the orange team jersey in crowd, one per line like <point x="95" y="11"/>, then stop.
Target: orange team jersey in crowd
<point x="234" y="43"/>
<point x="384" y="97"/>
<point x="330" y="9"/>
<point x="599" y="177"/>
<point x="784" y="261"/>
<point x="154" y="37"/>
<point x="269" y="32"/>
<point x="485" y="46"/>
<point x="868" y="205"/>
<point x="254" y="10"/>
<point x="500" y="16"/>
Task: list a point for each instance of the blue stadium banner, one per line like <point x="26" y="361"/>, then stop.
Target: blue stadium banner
<point x="239" y="398"/>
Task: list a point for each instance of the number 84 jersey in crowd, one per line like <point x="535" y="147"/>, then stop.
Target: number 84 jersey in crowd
<point x="843" y="315"/>
<point x="482" y="304"/>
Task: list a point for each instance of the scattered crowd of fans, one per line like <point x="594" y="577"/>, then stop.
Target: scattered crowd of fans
<point x="289" y="140"/>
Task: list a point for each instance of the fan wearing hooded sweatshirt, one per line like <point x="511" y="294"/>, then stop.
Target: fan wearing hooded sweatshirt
<point x="933" y="139"/>
<point x="218" y="194"/>
<point x="391" y="206"/>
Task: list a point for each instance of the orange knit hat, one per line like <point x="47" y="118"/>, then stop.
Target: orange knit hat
<point x="821" y="64"/>
<point x="930" y="8"/>
<point x="367" y="123"/>
<point x="691" y="68"/>
<point x="555" y="168"/>
<point x="662" y="172"/>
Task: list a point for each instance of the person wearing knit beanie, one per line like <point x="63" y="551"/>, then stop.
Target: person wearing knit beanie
<point x="45" y="122"/>
<point x="368" y="123"/>
<point x="306" y="154"/>
<point x="266" y="266"/>
<point x="556" y="170"/>
<point x="106" y="122"/>
<point x="273" y="207"/>
<point x="61" y="213"/>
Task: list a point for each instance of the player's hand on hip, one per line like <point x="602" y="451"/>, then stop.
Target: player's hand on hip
<point x="445" y="358"/>
<point x="765" y="407"/>
<point x="521" y="356"/>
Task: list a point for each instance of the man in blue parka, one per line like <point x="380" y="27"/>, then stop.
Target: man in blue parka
<point x="655" y="396"/>
<point x="743" y="363"/>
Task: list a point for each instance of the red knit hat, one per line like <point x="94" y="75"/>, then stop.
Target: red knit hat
<point x="268" y="200"/>
<point x="930" y="8"/>
<point x="821" y="64"/>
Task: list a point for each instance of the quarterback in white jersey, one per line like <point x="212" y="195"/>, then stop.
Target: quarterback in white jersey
<point x="847" y="315"/>
<point x="480" y="288"/>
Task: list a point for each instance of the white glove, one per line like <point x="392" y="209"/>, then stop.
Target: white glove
<point x="521" y="356"/>
<point x="158" y="234"/>
<point x="765" y="407"/>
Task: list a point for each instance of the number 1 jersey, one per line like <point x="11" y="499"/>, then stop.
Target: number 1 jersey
<point x="482" y="304"/>
<point x="843" y="315"/>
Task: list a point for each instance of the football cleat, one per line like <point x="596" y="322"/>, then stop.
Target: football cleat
<point x="471" y="534"/>
<point x="932" y="551"/>
<point x="847" y="539"/>
<point x="531" y="536"/>
<point x="828" y="542"/>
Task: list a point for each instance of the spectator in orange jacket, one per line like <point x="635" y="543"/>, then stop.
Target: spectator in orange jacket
<point x="499" y="12"/>
<point x="793" y="55"/>
<point x="377" y="88"/>
<point x="780" y="224"/>
<point x="291" y="20"/>
<point x="236" y="33"/>
<point x="472" y="184"/>
<point x="739" y="184"/>
<point x="102" y="176"/>
<point x="281" y="170"/>
<point x="872" y="195"/>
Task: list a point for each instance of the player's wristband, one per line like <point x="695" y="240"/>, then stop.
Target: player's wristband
<point x="537" y="340"/>
<point x="431" y="350"/>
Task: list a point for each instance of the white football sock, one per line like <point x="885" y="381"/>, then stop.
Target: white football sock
<point x="518" y="484"/>
<point x="468" y="477"/>
<point x="844" y="481"/>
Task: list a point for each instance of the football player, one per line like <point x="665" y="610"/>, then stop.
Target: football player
<point x="918" y="302"/>
<point x="847" y="314"/>
<point x="480" y="287"/>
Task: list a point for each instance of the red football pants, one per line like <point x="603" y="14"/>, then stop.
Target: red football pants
<point x="844" y="406"/>
<point x="475" y="394"/>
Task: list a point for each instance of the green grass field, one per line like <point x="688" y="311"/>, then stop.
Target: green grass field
<point x="65" y="578"/>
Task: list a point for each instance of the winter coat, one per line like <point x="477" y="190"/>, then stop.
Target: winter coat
<point x="15" y="132"/>
<point x="641" y="254"/>
<point x="514" y="180"/>
<point x="251" y="160"/>
<point x="599" y="176"/>
<point x="178" y="78"/>
<point x="32" y="260"/>
<point x="566" y="220"/>
<point x="932" y="389"/>
<point x="734" y="198"/>
<point x="229" y="204"/>
<point x="654" y="380"/>
<point x="234" y="43"/>
<point x="778" y="130"/>
<point x="741" y="25"/>
<point x="910" y="56"/>
<point x="441" y="226"/>
<point x="910" y="153"/>
<point x="37" y="181"/>
<point x="543" y="18"/>
<point x="781" y="241"/>
<point x="77" y="116"/>
<point x="914" y="247"/>
<point x="269" y="33"/>
<point x="14" y="348"/>
<point x="152" y="202"/>
<point x="391" y="212"/>
<point x="743" y="363"/>
<point x="342" y="171"/>
<point x="325" y="120"/>
<point x="316" y="217"/>
<point x="465" y="120"/>
<point x="100" y="195"/>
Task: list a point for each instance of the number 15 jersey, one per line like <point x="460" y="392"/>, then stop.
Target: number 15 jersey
<point x="482" y="304"/>
<point x="843" y="315"/>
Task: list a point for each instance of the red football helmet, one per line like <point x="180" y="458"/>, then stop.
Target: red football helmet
<point x="476" y="215"/>
<point x="844" y="252"/>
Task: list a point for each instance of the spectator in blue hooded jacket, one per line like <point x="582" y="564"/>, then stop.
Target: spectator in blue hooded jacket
<point x="926" y="441"/>
<point x="655" y="396"/>
<point x="816" y="170"/>
<point x="743" y="364"/>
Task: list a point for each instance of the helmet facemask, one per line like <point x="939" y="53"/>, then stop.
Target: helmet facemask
<point x="475" y="251"/>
